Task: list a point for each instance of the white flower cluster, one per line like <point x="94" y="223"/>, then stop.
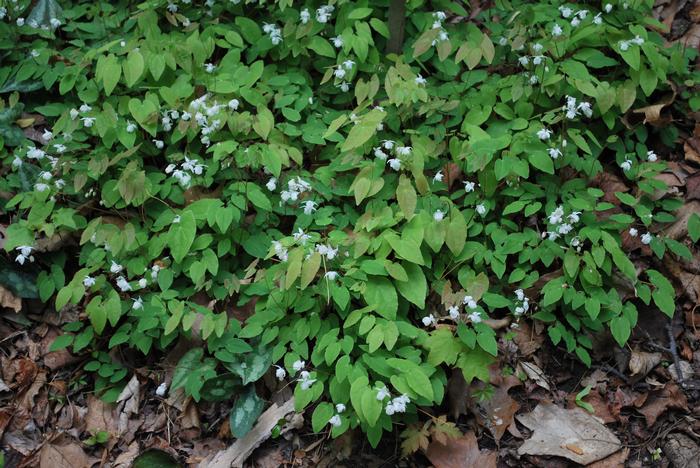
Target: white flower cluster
<point x="522" y="303"/>
<point x="573" y="108"/>
<point x="470" y="306"/>
<point x="186" y="170"/>
<point x="83" y="110"/>
<point x="295" y="188"/>
<point x="396" y="163"/>
<point x="335" y="420"/>
<point x="274" y="32"/>
<point x="304" y="376"/>
<point x="438" y="18"/>
<point x="646" y="237"/>
<point x="625" y="45"/>
<point x="341" y="71"/>
<point x="323" y="14"/>
<point x="560" y="224"/>
<point x="25" y="253"/>
<point x="395" y="405"/>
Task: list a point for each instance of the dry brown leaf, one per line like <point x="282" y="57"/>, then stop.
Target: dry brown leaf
<point x="500" y="409"/>
<point x="658" y="401"/>
<point x="128" y="403"/>
<point x="527" y="339"/>
<point x="63" y="453"/>
<point x="691" y="39"/>
<point x="616" y="459"/>
<point x="460" y="453"/>
<point x="682" y="451"/>
<point x="126" y="458"/>
<point x="535" y="373"/>
<point x="27" y="399"/>
<point x="692" y="149"/>
<point x="642" y="363"/>
<point x="652" y="114"/>
<point x="100" y="416"/>
<point x="574" y="434"/>
<point x="9" y="300"/>
<point x="686" y="371"/>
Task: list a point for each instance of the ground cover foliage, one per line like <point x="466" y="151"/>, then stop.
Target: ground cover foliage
<point x="308" y="197"/>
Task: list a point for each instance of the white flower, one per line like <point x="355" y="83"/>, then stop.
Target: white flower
<point x="309" y="206"/>
<point x="646" y="238"/>
<point x="395" y="164"/>
<point x="481" y="209"/>
<point x="298" y="365"/>
<point x="17" y="161"/>
<point x="159" y="144"/>
<point x="454" y="312"/>
<point x="88" y="121"/>
<point x="475" y="317"/>
<point x="637" y="40"/>
<point x="438" y="176"/>
<point x="575" y="22"/>
<point x="41" y="187"/>
<point x="554" y="153"/>
<point x="388" y="144"/>
<point x="544" y="134"/>
<point x="624" y="45"/>
<point x="439" y="215"/>
<point x="327" y="251"/>
<point x="340" y="407"/>
<point x="597" y="19"/>
<point x="74" y="114"/>
<point x="348" y="64"/>
<point x="565" y="11"/>
<point x="379" y="154"/>
<point x="429" y="320"/>
<point x="306" y="381"/>
<point x="339" y="72"/>
<point x="537" y="48"/>
<point x="271" y="184"/>
<point x="323" y="14"/>
<point x="397" y="405"/>
<point x="209" y="67"/>
<point x="233" y="104"/>
<point x="337" y="41"/>
<point x="25" y="252"/>
<point x="186" y="116"/>
<point x="403" y="150"/>
<point x="115" y="267"/>
<point x="556" y="30"/>
<point x="633" y="232"/>
<point x="608" y="7"/>
<point x="383" y="393"/>
<point x="143" y="282"/>
<point x="439" y="15"/>
<point x="280" y="373"/>
<point x="564" y="229"/>
<point x="20" y="21"/>
<point x="651" y="156"/>
<point x="585" y="107"/>
<point x="335" y="421"/>
<point x="45" y="175"/>
<point x="420" y="81"/>
<point x="60" y="148"/>
<point x="301" y="237"/>
<point x="626" y="165"/>
<point x="524" y="60"/>
<point x="138" y="303"/>
<point x="85" y="108"/>
<point x="469" y="186"/>
<point x="556" y="216"/>
<point x="469" y="302"/>
<point x="537" y="59"/>
<point x="331" y="275"/>
<point x="304" y="16"/>
<point x="162" y="389"/>
<point x="575" y="216"/>
<point x="344" y="86"/>
<point x="520" y="294"/>
<point x="123" y="284"/>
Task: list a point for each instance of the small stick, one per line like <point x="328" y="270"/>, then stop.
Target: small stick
<point x="673" y="349"/>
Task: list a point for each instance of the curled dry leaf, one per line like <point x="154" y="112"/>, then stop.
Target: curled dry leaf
<point x="691" y="147"/>
<point x="9" y="300"/>
<point x="642" y="363"/>
<point x="574" y="434"/>
<point x="658" y="401"/>
<point x="461" y="452"/>
<point x="652" y="114"/>
<point x="536" y="374"/>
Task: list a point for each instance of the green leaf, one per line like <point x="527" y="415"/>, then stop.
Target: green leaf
<point x="309" y="269"/>
<point x="187" y="364"/>
<point x="359" y="13"/>
<point x="111" y="73"/>
<point x="406" y="249"/>
<point x="245" y="412"/>
<point x="154" y="458"/>
<point x="181" y="235"/>
<point x="416" y="288"/>
<point x="406" y="196"/>
<point x="664" y="292"/>
<point x="456" y="235"/>
<point x="97" y="314"/>
<point x="322" y="414"/>
<point x="381" y="296"/>
<point x="371" y="407"/>
<point x="363" y="130"/>
<point x="134" y="67"/>
<point x="620" y="329"/>
<point x="542" y="161"/>
<point x="263" y="122"/>
<point x="442" y="347"/>
<point x="694" y="227"/>
<point x="474" y="364"/>
<point x="321" y="47"/>
<point x="294" y="260"/>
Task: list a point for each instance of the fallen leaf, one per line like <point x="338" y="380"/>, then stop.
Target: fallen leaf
<point x="459" y="453"/>
<point x="527" y="339"/>
<point x="691" y="147"/>
<point x="533" y="372"/>
<point x="100" y="416"/>
<point x="26" y="401"/>
<point x="652" y="114"/>
<point x="642" y="363"/>
<point x="679" y="229"/>
<point x="128" y="403"/>
<point x="499" y="411"/>
<point x="9" y="300"/>
<point x="63" y="453"/>
<point x="616" y="459"/>
<point x="126" y="458"/>
<point x="682" y="450"/>
<point x="686" y="371"/>
<point x="658" y="401"/>
<point x="573" y="434"/>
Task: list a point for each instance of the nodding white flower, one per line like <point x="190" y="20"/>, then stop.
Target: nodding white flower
<point x="323" y="14"/>
<point x="60" y="183"/>
<point x="344" y="86"/>
<point x="537" y="59"/>
<point x="557" y="31"/>
<point x="575" y="22"/>
<point x="177" y="219"/>
<point x="41" y="187"/>
<point x="74" y="114"/>
<point x="469" y="186"/>
<point x="429" y="320"/>
<point x="88" y="121"/>
<point x="271" y="184"/>
<point x="298" y="365"/>
<point x="306" y="383"/>
<point x="439" y="215"/>
<point x="420" y="81"/>
<point x="143" y="282"/>
<point x="123" y="284"/>
<point x="304" y="16"/>
<point x="637" y="40"/>
<point x="339" y="72"/>
<point x="85" y="108"/>
<point x="331" y="275"/>
<point x="520" y="294"/>
<point x="172" y="8"/>
<point x="348" y="64"/>
<point x="524" y="60"/>
<point x="624" y="45"/>
<point x="554" y="153"/>
<point x="335" y="421"/>
<point x="454" y="312"/>
<point x="159" y="144"/>
<point x="475" y="317"/>
<point x="439" y="15"/>
<point x="88" y="281"/>
<point x="438" y="176"/>
<point x="45" y="175"/>
<point x="186" y="116"/>
<point x="20" y="21"/>
<point x="115" y="267"/>
<point x="138" y="303"/>
<point x="575" y="216"/>
<point x="537" y="48"/>
<point x="556" y="216"/>
<point x="585" y="107"/>
<point x="340" y="407"/>
<point x="388" y="144"/>
<point x="565" y="11"/>
<point x="598" y="19"/>
<point x="379" y="154"/>
<point x="443" y="36"/>
<point x="633" y="232"/>
<point x="25" y="252"/>
<point x="47" y="135"/>
<point x="651" y="156"/>
<point x="337" y="41"/>
<point x="17" y="161"/>
<point x="395" y="164"/>
<point x="60" y="148"/>
<point x="397" y="405"/>
<point x="327" y="251"/>
<point x="564" y="229"/>
<point x="162" y="389"/>
<point x="544" y="134"/>
<point x="469" y="302"/>
<point x="383" y="393"/>
<point x="309" y="206"/>
<point x="575" y="242"/>
<point x="403" y="150"/>
<point x="170" y="168"/>
<point x="209" y="67"/>
<point x="608" y="7"/>
<point x="280" y="373"/>
<point x="233" y="104"/>
<point x="481" y="209"/>
<point x="35" y="153"/>
<point x="626" y="165"/>
<point x="646" y="238"/>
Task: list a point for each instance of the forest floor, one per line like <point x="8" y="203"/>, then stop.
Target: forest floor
<point x="645" y="397"/>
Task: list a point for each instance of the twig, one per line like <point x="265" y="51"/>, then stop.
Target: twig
<point x="673" y="349"/>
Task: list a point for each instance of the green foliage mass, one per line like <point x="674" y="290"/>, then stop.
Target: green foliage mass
<point x="264" y="177"/>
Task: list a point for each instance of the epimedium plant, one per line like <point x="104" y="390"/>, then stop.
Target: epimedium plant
<point x="373" y="211"/>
